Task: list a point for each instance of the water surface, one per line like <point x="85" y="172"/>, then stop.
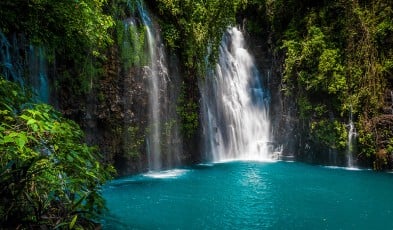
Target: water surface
<point x="251" y="195"/>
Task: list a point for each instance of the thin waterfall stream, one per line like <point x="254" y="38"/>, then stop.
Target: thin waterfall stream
<point x="154" y="149"/>
<point x="350" y="144"/>
<point x="10" y="60"/>
<point x="39" y="73"/>
<point x="163" y="140"/>
<point x="14" y="66"/>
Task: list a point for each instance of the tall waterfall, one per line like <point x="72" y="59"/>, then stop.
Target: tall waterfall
<point x="235" y="105"/>
<point x="163" y="140"/>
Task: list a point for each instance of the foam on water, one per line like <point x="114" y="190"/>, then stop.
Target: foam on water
<point x="173" y="173"/>
<point x="345" y="168"/>
<point x="245" y="159"/>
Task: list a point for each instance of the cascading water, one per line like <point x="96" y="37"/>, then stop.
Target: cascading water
<point x="350" y="143"/>
<point x="38" y="73"/>
<point x="13" y="66"/>
<point x="236" y="105"/>
<point x="162" y="152"/>
<point x="10" y="60"/>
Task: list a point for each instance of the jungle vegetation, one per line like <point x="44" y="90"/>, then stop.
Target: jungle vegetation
<point x="335" y="60"/>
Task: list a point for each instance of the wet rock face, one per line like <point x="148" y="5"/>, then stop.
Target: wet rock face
<point x="122" y="115"/>
<point x="113" y="114"/>
<point x="383" y="128"/>
<point x="284" y="123"/>
<point x="290" y="133"/>
<point x="293" y="133"/>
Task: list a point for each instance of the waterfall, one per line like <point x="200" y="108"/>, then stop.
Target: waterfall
<point x="163" y="139"/>
<point x="11" y="63"/>
<point x="235" y="105"/>
<point x="13" y="66"/>
<point x="38" y="73"/>
<point x="350" y="142"/>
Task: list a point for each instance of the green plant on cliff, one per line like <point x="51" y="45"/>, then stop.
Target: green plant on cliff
<point x="338" y="55"/>
<point x="194" y="29"/>
<point x="134" y="141"/>
<point x="187" y="109"/>
<point x="48" y="177"/>
<point x="312" y="65"/>
<point x="369" y="52"/>
<point x="75" y="34"/>
<point x="191" y="25"/>
<point x="315" y="73"/>
<point x="131" y="42"/>
<point x="69" y="27"/>
<point x="333" y="134"/>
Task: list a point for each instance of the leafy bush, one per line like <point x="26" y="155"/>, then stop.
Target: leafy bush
<point x="48" y="176"/>
<point x="338" y="59"/>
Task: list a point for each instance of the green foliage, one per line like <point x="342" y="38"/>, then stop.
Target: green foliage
<point x="312" y="65"/>
<point x="389" y="148"/>
<point x="61" y="25"/>
<point x="313" y="70"/>
<point x="48" y="176"/>
<point x="305" y="107"/>
<point x="332" y="71"/>
<point x="76" y="35"/>
<point x="194" y="30"/>
<point x="189" y="116"/>
<point x="187" y="110"/>
<point x="367" y="143"/>
<point x="338" y="61"/>
<point x="172" y="36"/>
<point x="363" y="63"/>
<point x="330" y="133"/>
<point x="134" y="141"/>
<point x="131" y="41"/>
<point x="191" y="25"/>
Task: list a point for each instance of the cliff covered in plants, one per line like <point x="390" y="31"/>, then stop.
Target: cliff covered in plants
<point x="330" y="65"/>
<point x="117" y="67"/>
<point x="334" y="61"/>
<point x="329" y="68"/>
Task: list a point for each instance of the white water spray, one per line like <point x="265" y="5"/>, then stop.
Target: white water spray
<point x="154" y="149"/>
<point x="236" y="105"/>
<point x="163" y="140"/>
<point x="350" y="143"/>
